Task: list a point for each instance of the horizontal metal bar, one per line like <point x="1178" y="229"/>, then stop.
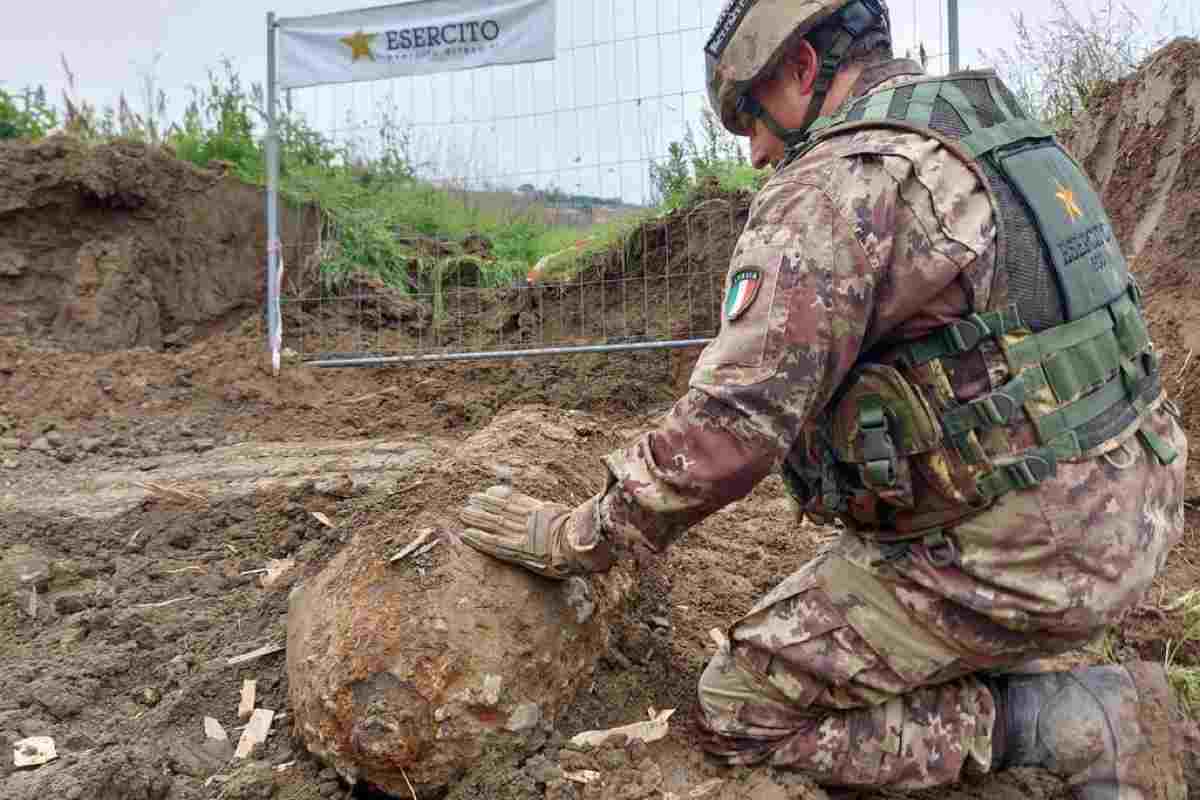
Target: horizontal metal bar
<point x="495" y="355"/>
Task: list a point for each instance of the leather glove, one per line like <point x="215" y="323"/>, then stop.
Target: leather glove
<point x="547" y="538"/>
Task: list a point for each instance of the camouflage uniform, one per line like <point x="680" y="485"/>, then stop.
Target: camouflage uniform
<point x="862" y="667"/>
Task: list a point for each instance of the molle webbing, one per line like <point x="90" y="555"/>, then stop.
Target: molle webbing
<point x="1082" y="369"/>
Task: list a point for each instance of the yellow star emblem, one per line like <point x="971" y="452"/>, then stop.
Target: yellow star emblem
<point x="1067" y="198"/>
<point x="360" y="45"/>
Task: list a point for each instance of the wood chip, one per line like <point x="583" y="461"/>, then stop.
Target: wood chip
<point x="265" y="650"/>
<point x="413" y="546"/>
<point x="321" y="518"/>
<point x="650" y="731"/>
<point x="706" y="789"/>
<point x="246" y="706"/>
<point x="276" y="568"/>
<point x="213" y="730"/>
<point x="34" y="751"/>
<point x="584" y="776"/>
<point x="256" y="732"/>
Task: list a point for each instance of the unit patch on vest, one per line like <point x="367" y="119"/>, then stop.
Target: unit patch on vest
<point x="743" y="290"/>
<point x="1067" y="198"/>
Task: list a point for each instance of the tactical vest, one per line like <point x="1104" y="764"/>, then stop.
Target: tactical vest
<point x="1073" y="370"/>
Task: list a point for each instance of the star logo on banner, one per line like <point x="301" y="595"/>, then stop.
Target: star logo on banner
<point x="360" y="45"/>
<point x="1067" y="198"/>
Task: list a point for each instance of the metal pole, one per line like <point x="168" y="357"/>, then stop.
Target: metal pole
<point x="490" y="355"/>
<point x="952" y="20"/>
<point x="274" y="249"/>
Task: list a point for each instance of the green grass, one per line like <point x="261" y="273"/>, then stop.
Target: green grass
<point x="1184" y="678"/>
<point x="381" y="226"/>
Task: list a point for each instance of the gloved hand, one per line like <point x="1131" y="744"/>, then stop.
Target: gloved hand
<point x="547" y="538"/>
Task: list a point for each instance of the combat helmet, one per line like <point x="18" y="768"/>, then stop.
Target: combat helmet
<point x="749" y="41"/>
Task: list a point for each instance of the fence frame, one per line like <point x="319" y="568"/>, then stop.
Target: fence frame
<point x="276" y="266"/>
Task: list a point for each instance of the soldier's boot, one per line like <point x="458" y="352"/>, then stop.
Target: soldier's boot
<point x="1107" y="730"/>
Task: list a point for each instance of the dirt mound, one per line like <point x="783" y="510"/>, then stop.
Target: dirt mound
<point x="123" y="245"/>
<point x="1140" y="141"/>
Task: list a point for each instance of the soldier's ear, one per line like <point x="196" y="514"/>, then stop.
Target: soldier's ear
<point x="801" y="65"/>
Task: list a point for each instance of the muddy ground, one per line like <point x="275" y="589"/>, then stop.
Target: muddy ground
<point x="143" y="492"/>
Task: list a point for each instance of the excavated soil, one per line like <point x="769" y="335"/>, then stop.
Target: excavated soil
<point x="1140" y="141"/>
<point x="143" y="491"/>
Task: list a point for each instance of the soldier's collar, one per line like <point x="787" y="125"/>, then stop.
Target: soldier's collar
<point x="876" y="74"/>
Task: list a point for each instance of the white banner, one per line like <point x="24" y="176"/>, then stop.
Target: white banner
<point x="413" y="39"/>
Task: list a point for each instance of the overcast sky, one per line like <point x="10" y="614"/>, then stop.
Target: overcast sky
<point x="586" y="122"/>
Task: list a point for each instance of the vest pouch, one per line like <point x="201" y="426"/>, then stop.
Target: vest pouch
<point x="878" y="424"/>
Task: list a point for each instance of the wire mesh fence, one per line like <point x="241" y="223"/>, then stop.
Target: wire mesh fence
<point x="662" y="287"/>
<point x="568" y="144"/>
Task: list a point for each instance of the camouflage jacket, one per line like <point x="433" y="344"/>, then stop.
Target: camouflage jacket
<point x="870" y="239"/>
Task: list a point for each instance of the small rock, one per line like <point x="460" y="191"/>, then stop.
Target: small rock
<point x="11" y="463"/>
<point x="91" y="444"/>
<point x="149" y="696"/>
<point x="40" y="445"/>
<point x="203" y="445"/>
<point x="65" y="455"/>
<point x="341" y="486"/>
<point x="524" y="717"/>
<point x="578" y="594"/>
<point x="180" y="665"/>
<point x="329" y="788"/>
<point x="327" y="774"/>
<point x="661" y="622"/>
<point x="22" y="568"/>
<point x="199" y="760"/>
<point x="66" y="604"/>
<point x="62" y="704"/>
<point x="491" y="690"/>
<point x="12" y="263"/>
<point x="55" y="438"/>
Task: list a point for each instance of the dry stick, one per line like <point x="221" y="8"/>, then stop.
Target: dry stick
<point x="409" y="784"/>
<point x="164" y="603"/>
<point x="158" y="487"/>
<point x="265" y="650"/>
<point x="412" y="546"/>
<point x="1186" y="362"/>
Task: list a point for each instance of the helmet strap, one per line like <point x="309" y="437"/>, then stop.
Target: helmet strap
<point x="854" y="20"/>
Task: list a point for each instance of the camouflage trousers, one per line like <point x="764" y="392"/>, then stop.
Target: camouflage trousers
<point x="864" y="667"/>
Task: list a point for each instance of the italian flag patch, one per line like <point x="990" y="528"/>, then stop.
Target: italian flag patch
<point x="743" y="290"/>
